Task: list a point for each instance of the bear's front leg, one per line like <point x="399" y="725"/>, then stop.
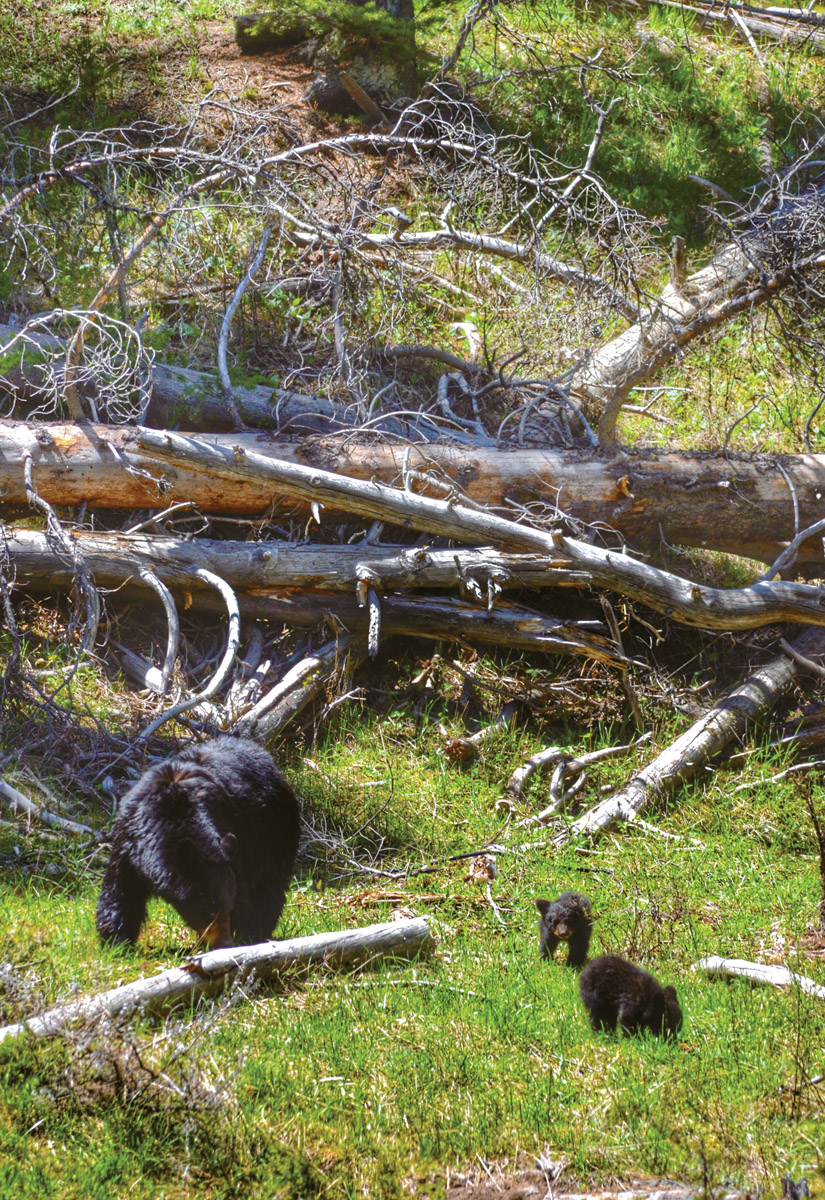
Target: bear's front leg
<point x="121" y="909"/>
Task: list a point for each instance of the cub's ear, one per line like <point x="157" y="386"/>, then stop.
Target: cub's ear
<point x="542" y="906"/>
<point x="229" y="844"/>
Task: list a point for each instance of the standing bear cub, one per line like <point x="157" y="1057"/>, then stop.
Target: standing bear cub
<point x="568" y="920"/>
<point x="214" y="832"/>
<point x="617" y="992"/>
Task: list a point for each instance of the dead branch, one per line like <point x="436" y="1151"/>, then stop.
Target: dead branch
<point x="568" y="767"/>
<point x="694" y="604"/>
<point x="224" y="666"/>
<point x="306" y="680"/>
<point x="21" y="804"/>
<point x="208" y="974"/>
<point x="683" y="759"/>
<point x="226" y="323"/>
<point x="758" y="973"/>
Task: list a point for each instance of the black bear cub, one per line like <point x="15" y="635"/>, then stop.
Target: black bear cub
<point x="568" y="920"/>
<point x="617" y="992"/>
<point x="214" y="832"/>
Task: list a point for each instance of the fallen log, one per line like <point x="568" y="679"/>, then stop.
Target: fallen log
<point x="208" y="974"/>
<point x="779" y="249"/>
<point x="758" y="973"/>
<point x="113" y="558"/>
<point x="727" y="720"/>
<point x="691" y="603"/>
<point x="184" y="398"/>
<point x="738" y="504"/>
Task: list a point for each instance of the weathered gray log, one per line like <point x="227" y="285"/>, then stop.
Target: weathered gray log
<point x="738" y="504"/>
<point x="189" y="399"/>
<point x="208" y="974"/>
<point x="739" y="968"/>
<point x="786" y="245"/>
<point x="683" y="759"/>
<point x="255" y="33"/>
<point x="112" y="559"/>
<point x="691" y="603"/>
<point x="296" y="605"/>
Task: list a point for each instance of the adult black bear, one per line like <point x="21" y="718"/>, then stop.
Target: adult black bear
<point x="617" y="992"/>
<point x="214" y="832"/>
<point x="568" y="920"/>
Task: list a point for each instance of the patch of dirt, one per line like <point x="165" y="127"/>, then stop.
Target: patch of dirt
<point x="264" y="82"/>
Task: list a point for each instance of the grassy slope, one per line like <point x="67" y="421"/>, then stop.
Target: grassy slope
<point x="357" y="1082"/>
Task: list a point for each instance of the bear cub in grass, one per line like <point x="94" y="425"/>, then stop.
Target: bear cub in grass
<point x="214" y="832"/>
<point x="617" y="992"/>
<point x="568" y="920"/>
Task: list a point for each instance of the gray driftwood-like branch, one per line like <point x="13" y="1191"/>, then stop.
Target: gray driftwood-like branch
<point x="691" y="603"/>
<point x="689" y="754"/>
<point x="21" y="804"/>
<point x="208" y="974"/>
<point x="758" y="973"/>
<point x="306" y="680"/>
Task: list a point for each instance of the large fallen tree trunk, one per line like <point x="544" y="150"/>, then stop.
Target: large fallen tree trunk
<point x="780" y="248"/>
<point x="209" y="973"/>
<point x="739" y="504"/>
<point x="690" y="753"/>
<point x="113" y="558"/>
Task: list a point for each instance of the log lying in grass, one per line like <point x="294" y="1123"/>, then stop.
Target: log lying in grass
<point x="739" y="968"/>
<point x="690" y="753"/>
<point x="209" y="973"/>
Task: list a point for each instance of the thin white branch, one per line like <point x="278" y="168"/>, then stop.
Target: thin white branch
<point x="226" y="663"/>
<point x="739" y="968"/>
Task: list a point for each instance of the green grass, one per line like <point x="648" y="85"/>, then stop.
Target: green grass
<point x="349" y="1084"/>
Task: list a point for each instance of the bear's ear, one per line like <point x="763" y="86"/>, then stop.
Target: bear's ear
<point x="542" y="906"/>
<point x="229" y="844"/>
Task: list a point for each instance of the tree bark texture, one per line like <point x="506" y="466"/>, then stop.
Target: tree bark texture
<point x="305" y="585"/>
<point x="739" y="504"/>
<point x="209" y="973"/>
